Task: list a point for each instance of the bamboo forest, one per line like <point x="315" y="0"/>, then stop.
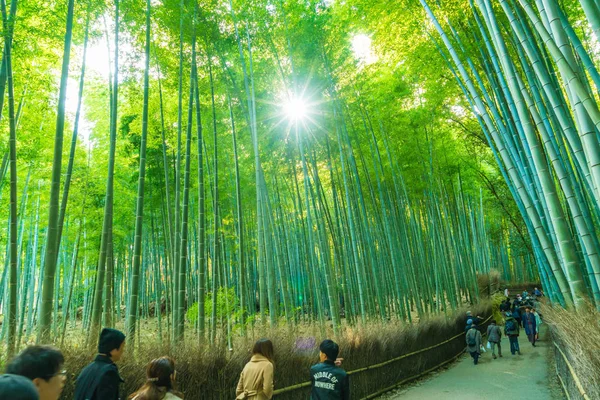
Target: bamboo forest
<point x="203" y="171"/>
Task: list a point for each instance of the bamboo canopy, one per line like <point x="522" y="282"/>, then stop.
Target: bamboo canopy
<point x="533" y="87"/>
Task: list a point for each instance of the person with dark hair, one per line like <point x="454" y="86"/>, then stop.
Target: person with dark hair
<point x="160" y="381"/>
<point x="17" y="387"/>
<point x="43" y="366"/>
<point x="505" y="305"/>
<point x="494" y="335"/>
<point x="473" y="339"/>
<point x="100" y="380"/>
<point x="511" y="329"/>
<point x="256" y="379"/>
<point x="328" y="381"/>
<point x="529" y="323"/>
<point x="516" y="311"/>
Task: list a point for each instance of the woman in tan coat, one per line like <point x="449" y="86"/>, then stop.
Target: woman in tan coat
<point x="256" y="380"/>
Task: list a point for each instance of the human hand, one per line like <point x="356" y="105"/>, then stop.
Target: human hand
<point x="338" y="362"/>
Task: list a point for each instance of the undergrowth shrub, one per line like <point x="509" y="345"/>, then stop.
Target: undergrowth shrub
<point x="205" y="372"/>
<point x="576" y="332"/>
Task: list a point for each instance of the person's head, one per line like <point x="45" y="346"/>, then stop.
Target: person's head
<point x="469" y="313"/>
<point x="264" y="347"/>
<point x="43" y="366"/>
<point x="492" y="322"/>
<point x="527" y="310"/>
<point x="112" y="343"/>
<point x="329" y="350"/>
<point x="469" y="322"/>
<point x="533" y="309"/>
<point x="17" y="387"/>
<point x="535" y="288"/>
<point x="160" y="379"/>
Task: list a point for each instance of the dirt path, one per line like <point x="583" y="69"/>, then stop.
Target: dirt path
<point x="530" y="376"/>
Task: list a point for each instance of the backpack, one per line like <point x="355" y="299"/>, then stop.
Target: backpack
<point x="471" y="341"/>
<point x="509" y="326"/>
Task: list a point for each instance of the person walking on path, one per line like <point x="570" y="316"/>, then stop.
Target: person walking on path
<point x="505" y="305"/>
<point x="43" y="365"/>
<point x="469" y="324"/>
<point x="475" y="320"/>
<point x="511" y="329"/>
<point x="494" y="335"/>
<point x="516" y="312"/>
<point x="17" y="387"/>
<point x="100" y="380"/>
<point x="160" y="381"/>
<point x="256" y="380"/>
<point x="538" y="322"/>
<point x="473" y="339"/>
<point x="529" y="325"/>
<point x="328" y="381"/>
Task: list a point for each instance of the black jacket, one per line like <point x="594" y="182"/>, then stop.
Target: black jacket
<point x="99" y="381"/>
<point x="329" y="382"/>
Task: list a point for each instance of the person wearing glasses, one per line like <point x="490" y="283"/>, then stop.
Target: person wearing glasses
<point x="160" y="381"/>
<point x="43" y="365"/>
<point x="100" y="380"/>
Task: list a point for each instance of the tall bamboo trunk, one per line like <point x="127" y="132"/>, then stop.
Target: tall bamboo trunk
<point x="109" y="199"/>
<point x="52" y="240"/>
<point x="139" y="219"/>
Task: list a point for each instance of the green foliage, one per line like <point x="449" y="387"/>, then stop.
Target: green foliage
<point x="227" y="305"/>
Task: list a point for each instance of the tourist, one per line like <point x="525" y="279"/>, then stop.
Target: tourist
<point x="328" y="381"/>
<point x="511" y="329"/>
<point x="256" y="380"/>
<point x="17" y="387"/>
<point x="538" y="322"/>
<point x="505" y="305"/>
<point x="474" y="319"/>
<point x="469" y="324"/>
<point x="494" y="335"/>
<point x="43" y="365"/>
<point x="516" y="312"/>
<point x="160" y="381"/>
<point x="506" y="292"/>
<point x="100" y="380"/>
<point x="537" y="292"/>
<point x="473" y="338"/>
<point x="529" y="325"/>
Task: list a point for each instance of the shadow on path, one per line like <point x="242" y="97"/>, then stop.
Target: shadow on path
<point x="529" y="376"/>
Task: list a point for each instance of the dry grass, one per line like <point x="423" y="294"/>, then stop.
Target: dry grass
<point x="489" y="283"/>
<point x="212" y="372"/>
<point x="576" y="332"/>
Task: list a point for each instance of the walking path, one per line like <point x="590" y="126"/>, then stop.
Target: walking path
<point x="529" y="376"/>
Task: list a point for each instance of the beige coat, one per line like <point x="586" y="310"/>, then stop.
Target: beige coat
<point x="256" y="380"/>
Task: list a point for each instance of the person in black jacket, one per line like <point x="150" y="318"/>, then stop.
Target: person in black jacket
<point x="100" y="380"/>
<point x="328" y="381"/>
